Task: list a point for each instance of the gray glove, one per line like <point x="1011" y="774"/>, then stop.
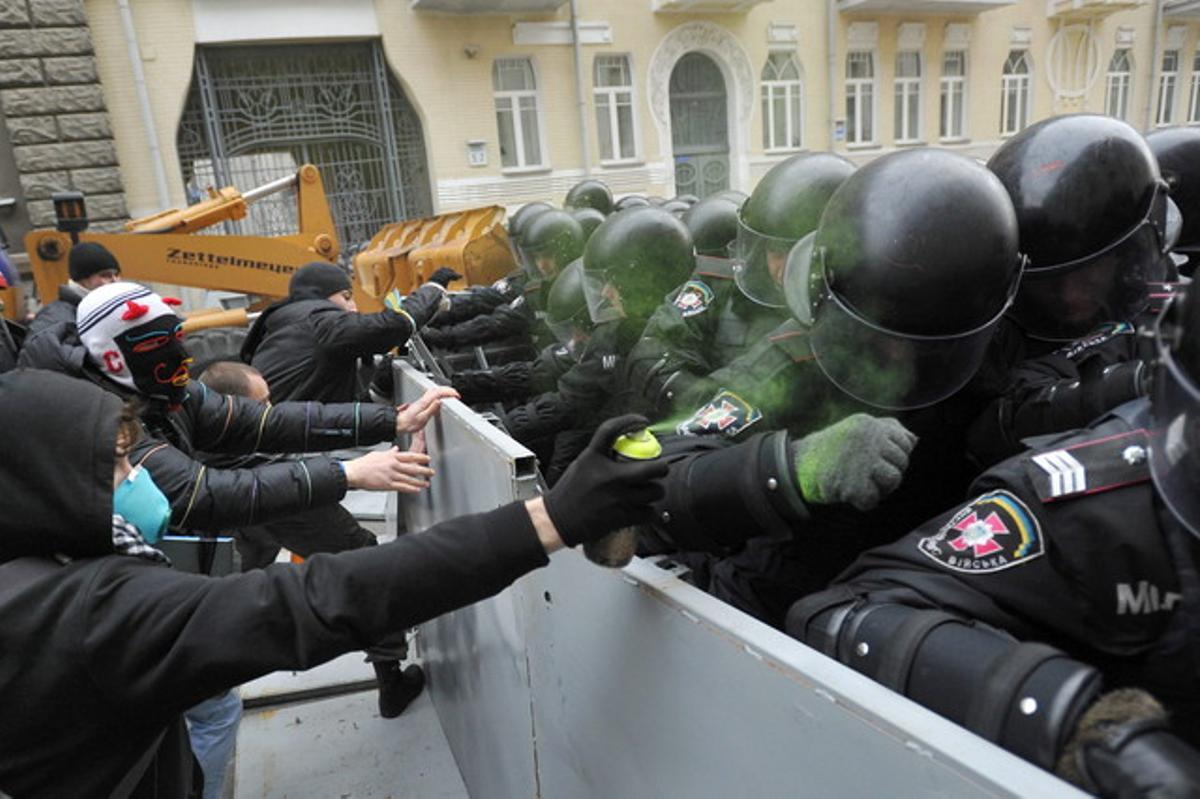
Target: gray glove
<point x="857" y="461"/>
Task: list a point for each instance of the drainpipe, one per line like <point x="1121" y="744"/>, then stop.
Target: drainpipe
<point x="139" y="82"/>
<point x="1157" y="65"/>
<point x="831" y="66"/>
<point x="580" y="97"/>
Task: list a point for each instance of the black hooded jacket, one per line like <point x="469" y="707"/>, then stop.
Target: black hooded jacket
<point x="308" y="348"/>
<point x="216" y="499"/>
<point x="100" y="653"/>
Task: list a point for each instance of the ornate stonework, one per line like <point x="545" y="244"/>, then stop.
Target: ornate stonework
<point x="708" y="38"/>
<point x="718" y="43"/>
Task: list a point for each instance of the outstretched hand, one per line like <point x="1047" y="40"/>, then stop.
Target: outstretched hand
<point x="389" y="470"/>
<point x="412" y="417"/>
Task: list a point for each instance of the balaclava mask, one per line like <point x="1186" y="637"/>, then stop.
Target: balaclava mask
<point x="135" y="339"/>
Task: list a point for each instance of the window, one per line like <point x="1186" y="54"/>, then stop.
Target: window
<point x="515" y="91"/>
<point x="954" y="93"/>
<point x="908" y="96"/>
<point x="782" y="88"/>
<point x="613" y="93"/>
<point x="1014" y="93"/>
<point x="1167" y="81"/>
<point x="1194" y="103"/>
<point x="860" y="97"/>
<point x="1116" y="102"/>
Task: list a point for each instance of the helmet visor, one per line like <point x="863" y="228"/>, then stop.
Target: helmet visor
<point x="541" y="263"/>
<point x="603" y="297"/>
<point x="1066" y="302"/>
<point x="891" y="370"/>
<point x="1175" y="439"/>
<point x="758" y="263"/>
<point x="797" y="280"/>
<point x="1063" y="302"/>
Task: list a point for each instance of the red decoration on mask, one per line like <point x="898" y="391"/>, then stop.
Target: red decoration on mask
<point x="172" y="301"/>
<point x="113" y="362"/>
<point x="134" y="310"/>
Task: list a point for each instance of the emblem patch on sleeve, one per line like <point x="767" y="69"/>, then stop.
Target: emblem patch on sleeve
<point x="693" y="298"/>
<point x="996" y="531"/>
<point x="726" y="414"/>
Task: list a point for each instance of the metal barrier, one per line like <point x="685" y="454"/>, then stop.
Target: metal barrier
<point x="586" y="682"/>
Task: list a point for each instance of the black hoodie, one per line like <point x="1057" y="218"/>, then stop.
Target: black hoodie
<point x="100" y="656"/>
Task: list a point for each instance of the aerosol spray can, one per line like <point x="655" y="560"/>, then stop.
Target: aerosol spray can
<point x="616" y="549"/>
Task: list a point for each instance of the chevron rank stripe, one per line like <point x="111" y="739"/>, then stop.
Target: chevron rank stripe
<point x="1067" y="475"/>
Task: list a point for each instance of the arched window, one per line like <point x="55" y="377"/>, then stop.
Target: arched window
<point x="515" y="92"/>
<point x="612" y="91"/>
<point x="1014" y="93"/>
<point x="254" y="114"/>
<point x="1120" y="75"/>
<point x="782" y="97"/>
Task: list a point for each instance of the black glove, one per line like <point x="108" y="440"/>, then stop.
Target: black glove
<point x="1123" y="748"/>
<point x="423" y="303"/>
<point x="599" y="494"/>
<point x="444" y="276"/>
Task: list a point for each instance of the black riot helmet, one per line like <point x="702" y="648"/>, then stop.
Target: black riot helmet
<point x="590" y="194"/>
<point x="785" y="207"/>
<point x="589" y="219"/>
<point x="551" y="241"/>
<point x="632" y="261"/>
<point x="1092" y="212"/>
<point x="521" y="219"/>
<point x="1175" y="409"/>
<point x="1178" y="153"/>
<point x="630" y="201"/>
<point x="713" y="223"/>
<point x="690" y="199"/>
<point x="913" y="265"/>
<point x="566" y="306"/>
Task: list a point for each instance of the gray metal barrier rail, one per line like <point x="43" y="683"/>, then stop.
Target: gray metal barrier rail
<point x="586" y="682"/>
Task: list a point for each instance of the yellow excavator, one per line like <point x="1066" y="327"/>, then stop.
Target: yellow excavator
<point x="168" y="247"/>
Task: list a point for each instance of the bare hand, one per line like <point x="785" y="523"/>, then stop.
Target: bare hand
<point x="389" y="470"/>
<point x="412" y="417"/>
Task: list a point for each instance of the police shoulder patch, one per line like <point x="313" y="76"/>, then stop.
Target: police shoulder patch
<point x="725" y="414"/>
<point x="994" y="532"/>
<point x="1090" y="466"/>
<point x="694" y="296"/>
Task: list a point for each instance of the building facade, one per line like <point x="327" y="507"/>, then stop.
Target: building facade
<point x="412" y="107"/>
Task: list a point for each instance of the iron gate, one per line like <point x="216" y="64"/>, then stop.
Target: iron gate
<point x="255" y="114"/>
<point x="699" y="128"/>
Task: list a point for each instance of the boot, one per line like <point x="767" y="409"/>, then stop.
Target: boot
<point x="397" y="687"/>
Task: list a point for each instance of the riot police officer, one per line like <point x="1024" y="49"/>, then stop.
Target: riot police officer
<point x="566" y="317"/>
<point x="1093" y="224"/>
<point x="728" y="305"/>
<point x="629" y="265"/>
<point x="1087" y="546"/>
<point x="893" y="312"/>
<point x="590" y="194"/>
<point x="482" y="300"/>
<point x="548" y="241"/>
<point x="1178" y="154"/>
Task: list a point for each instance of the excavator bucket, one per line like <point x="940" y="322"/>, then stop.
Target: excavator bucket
<point x="403" y="255"/>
